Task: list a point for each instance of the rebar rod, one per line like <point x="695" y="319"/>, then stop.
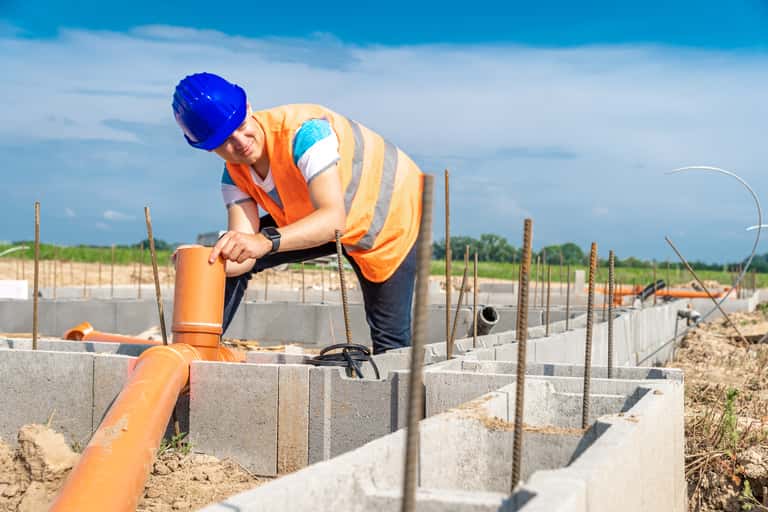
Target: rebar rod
<point x="55" y="269"/>
<point x="36" y="288"/>
<point x="266" y="285"/>
<point x="588" y="345"/>
<point x="112" y="275"/>
<point x="655" y="286"/>
<point x="474" y="303"/>
<point x="709" y="294"/>
<point x="568" y="297"/>
<point x="611" y="291"/>
<point x="522" y="339"/>
<point x="549" y="297"/>
<point x="416" y="378"/>
<point x="303" y="285"/>
<point x="141" y="264"/>
<point x="448" y="282"/>
<point x="461" y="298"/>
<point x="343" y="287"/>
<point x="156" y="275"/>
<point x="322" y="284"/>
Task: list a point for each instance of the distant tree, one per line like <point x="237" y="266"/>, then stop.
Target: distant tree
<point x="160" y="244"/>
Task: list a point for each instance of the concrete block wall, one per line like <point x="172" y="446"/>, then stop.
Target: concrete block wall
<point x="474" y="474"/>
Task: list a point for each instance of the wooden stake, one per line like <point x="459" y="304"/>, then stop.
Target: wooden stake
<point x="35" y="310"/>
<point x="112" y="275"/>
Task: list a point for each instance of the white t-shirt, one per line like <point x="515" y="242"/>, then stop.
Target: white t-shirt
<point x="315" y="149"/>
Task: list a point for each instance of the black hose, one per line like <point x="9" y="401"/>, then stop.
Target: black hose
<point x="351" y="356"/>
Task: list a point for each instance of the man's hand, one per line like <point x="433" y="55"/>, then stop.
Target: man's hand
<point x="237" y="246"/>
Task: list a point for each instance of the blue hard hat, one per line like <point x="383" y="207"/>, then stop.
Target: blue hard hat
<point x="208" y="108"/>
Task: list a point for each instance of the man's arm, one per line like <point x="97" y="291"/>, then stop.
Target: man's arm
<point x="243" y="244"/>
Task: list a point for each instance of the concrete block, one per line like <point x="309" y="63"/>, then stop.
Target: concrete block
<point x="15" y="316"/>
<point x="293" y="418"/>
<point x="102" y="315"/>
<point x="276" y="358"/>
<point x="234" y="413"/>
<point x="135" y="316"/>
<point x="110" y="372"/>
<point x="346" y="413"/>
<point x="16" y="343"/>
<point x="14" y="289"/>
<point x="38" y="386"/>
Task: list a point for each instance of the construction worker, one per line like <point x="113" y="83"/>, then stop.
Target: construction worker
<point x="313" y="172"/>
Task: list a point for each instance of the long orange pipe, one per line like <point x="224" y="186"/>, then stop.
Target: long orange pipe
<point x="113" y="469"/>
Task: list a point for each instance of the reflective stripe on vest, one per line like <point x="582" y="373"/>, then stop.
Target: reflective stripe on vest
<point x="386" y="186"/>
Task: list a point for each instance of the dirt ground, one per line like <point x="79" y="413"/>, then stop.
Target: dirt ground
<point x="95" y="274"/>
<point x="31" y="475"/>
<point x="726" y="415"/>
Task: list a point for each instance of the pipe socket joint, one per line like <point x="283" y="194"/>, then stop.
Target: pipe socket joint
<point x="486" y="317"/>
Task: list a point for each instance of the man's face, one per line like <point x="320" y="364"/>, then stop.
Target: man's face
<point x="245" y="145"/>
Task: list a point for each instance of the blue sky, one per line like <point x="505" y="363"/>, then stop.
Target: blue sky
<point x="566" y="112"/>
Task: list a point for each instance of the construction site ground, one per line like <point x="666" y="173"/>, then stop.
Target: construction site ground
<point x="726" y="414"/>
<point x="31" y="475"/>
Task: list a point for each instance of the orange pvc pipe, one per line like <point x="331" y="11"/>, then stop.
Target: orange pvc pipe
<point x="114" y="467"/>
<point x="86" y="332"/>
<point x="198" y="298"/>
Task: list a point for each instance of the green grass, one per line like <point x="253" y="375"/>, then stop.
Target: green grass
<point x="624" y="275"/>
<point x="81" y="253"/>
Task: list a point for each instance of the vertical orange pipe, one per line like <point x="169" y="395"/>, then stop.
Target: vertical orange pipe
<point x="198" y="300"/>
<point x="114" y="466"/>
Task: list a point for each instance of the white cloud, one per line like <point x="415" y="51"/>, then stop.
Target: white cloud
<point x="103" y="226"/>
<point x="69" y="212"/>
<point x="547" y="131"/>
<point x="600" y="211"/>
<point x="117" y="216"/>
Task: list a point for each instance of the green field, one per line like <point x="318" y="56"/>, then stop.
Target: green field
<point x="624" y="275"/>
<point x="123" y="255"/>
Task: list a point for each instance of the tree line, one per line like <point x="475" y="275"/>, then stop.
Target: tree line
<point x="493" y="247"/>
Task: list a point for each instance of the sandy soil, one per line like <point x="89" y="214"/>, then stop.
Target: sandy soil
<point x="31" y="475"/>
<point x="726" y="416"/>
<point x="95" y="274"/>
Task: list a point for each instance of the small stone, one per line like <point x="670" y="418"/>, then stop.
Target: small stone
<point x="152" y="492"/>
<point x="161" y="469"/>
<point x="10" y="491"/>
<point x="198" y="475"/>
<point x="180" y="505"/>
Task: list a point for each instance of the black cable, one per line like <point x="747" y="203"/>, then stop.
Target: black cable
<point x="351" y="356"/>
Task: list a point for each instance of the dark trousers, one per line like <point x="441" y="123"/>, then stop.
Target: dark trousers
<point x="387" y="304"/>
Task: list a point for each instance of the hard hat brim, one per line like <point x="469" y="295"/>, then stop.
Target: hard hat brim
<point x="227" y="127"/>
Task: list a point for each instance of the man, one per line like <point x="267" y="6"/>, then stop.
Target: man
<point x="314" y="172"/>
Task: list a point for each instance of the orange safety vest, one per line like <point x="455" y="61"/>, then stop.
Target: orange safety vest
<point x="381" y="185"/>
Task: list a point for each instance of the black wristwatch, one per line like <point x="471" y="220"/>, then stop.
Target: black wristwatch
<point x="273" y="235"/>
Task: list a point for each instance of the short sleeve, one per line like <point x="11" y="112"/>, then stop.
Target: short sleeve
<point x="315" y="148"/>
<point x="230" y="192"/>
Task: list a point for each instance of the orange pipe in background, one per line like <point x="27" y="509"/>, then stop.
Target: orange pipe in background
<point x="86" y="332"/>
<point x="114" y="466"/>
